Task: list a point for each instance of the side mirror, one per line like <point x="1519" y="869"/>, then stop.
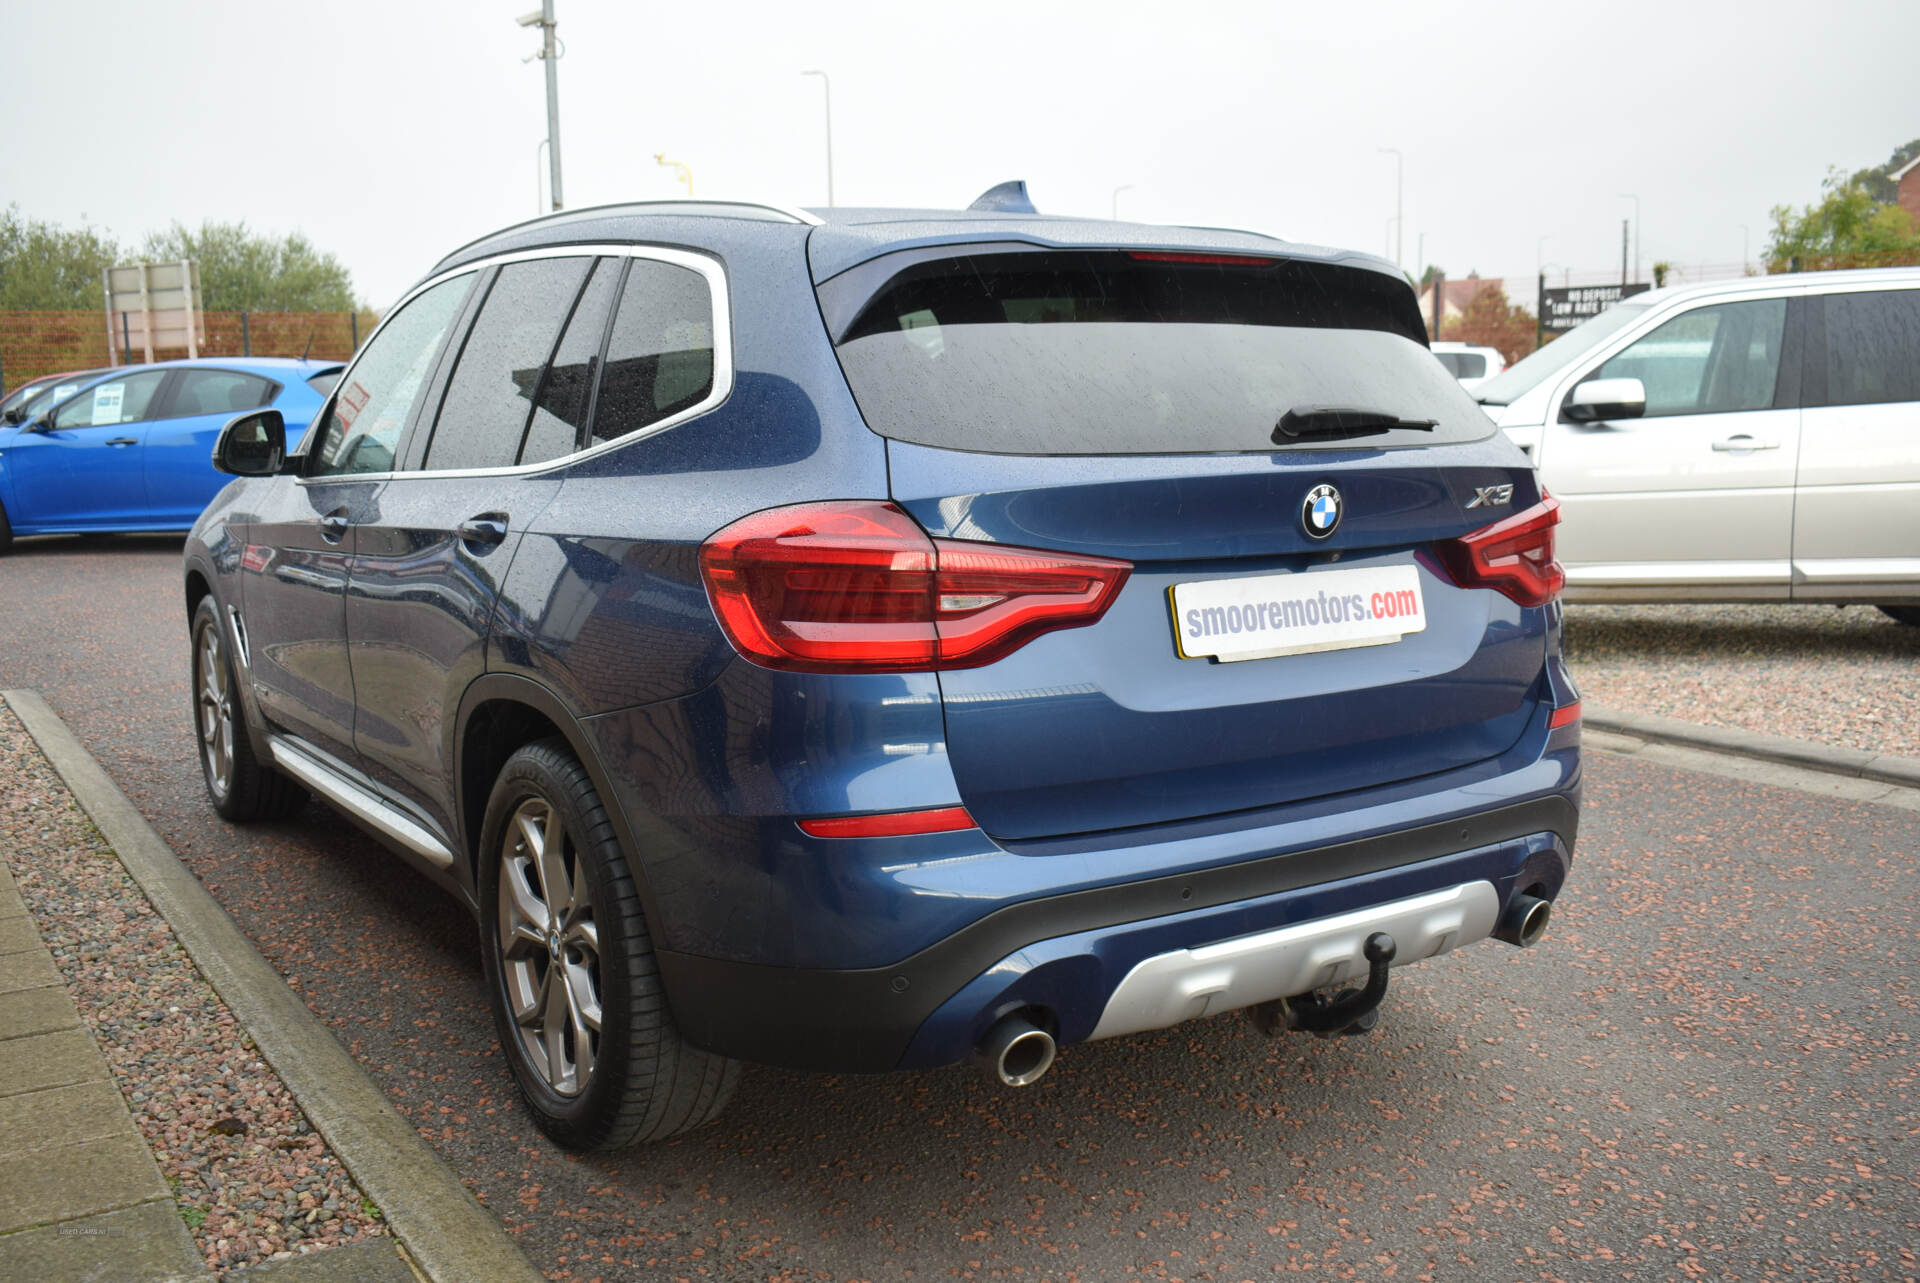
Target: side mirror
<point x="13" y="415"/>
<point x="1598" y="399"/>
<point x="253" y="444"/>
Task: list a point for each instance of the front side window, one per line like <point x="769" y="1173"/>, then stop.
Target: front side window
<point x="660" y="354"/>
<point x="490" y="397"/>
<point x="218" y="392"/>
<point x="362" y="425"/>
<point x="115" y="401"/>
<point x="1873" y="347"/>
<point x="1711" y="360"/>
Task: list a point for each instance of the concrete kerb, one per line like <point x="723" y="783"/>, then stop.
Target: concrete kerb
<point x="452" y="1238"/>
<point x="1885" y="768"/>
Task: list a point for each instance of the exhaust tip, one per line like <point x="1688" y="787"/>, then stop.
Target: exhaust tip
<point x="1525" y="921"/>
<point x="1017" y="1052"/>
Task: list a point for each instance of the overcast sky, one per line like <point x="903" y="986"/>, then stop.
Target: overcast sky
<point x="390" y="131"/>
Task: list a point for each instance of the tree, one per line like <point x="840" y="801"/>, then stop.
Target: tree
<point x="1878" y="181"/>
<point x="1491" y="321"/>
<point x="1846" y="228"/>
<point x="44" y="266"/>
<point x="241" y="270"/>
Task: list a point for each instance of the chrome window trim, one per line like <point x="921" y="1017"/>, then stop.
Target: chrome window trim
<point x="706" y="265"/>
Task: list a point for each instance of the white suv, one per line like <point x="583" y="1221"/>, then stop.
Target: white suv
<point x="1748" y="440"/>
<point x="1471" y="365"/>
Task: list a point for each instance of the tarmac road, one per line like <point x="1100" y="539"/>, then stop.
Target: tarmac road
<point x="1709" y="1067"/>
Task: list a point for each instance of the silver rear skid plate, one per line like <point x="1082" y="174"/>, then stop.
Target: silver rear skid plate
<point x="1188" y="983"/>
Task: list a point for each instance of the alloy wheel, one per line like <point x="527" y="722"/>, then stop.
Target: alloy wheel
<point x="549" y="947"/>
<point x="213" y="699"/>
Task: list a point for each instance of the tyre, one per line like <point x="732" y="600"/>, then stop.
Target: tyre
<point x="1909" y="615"/>
<point x="240" y="785"/>
<point x="6" y="530"/>
<point x="570" y="971"/>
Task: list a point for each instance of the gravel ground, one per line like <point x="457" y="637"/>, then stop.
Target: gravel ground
<point x="1842" y="677"/>
<point x="252" y="1179"/>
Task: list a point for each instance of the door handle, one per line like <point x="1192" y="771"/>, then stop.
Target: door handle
<point x="1744" y="442"/>
<point x="488" y="529"/>
<point x="333" y="526"/>
<point x="124" y="441"/>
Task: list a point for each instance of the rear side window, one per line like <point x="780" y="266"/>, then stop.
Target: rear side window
<point x="489" y="400"/>
<point x="1873" y="347"/>
<point x="1711" y="360"/>
<point x="560" y="410"/>
<point x="1113" y="352"/>
<point x="660" y="354"/>
<point x="218" y="392"/>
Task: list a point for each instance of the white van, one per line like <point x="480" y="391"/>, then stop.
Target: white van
<point x="1748" y="440"/>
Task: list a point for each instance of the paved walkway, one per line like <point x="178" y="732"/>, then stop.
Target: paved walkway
<point x="80" y="1194"/>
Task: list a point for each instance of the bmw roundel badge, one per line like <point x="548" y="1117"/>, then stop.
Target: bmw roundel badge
<point x="1320" y="512"/>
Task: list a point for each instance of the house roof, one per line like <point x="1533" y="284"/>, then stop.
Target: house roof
<point x="1905" y="169"/>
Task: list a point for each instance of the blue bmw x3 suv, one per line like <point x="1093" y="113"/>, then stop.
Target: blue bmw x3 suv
<point x="860" y="640"/>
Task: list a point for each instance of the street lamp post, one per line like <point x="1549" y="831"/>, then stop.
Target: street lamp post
<point x="1124" y="187"/>
<point x="1399" y="191"/>
<point x="685" y="173"/>
<point x="826" y="91"/>
<point x="1636" y="232"/>
<point x="550" y="54"/>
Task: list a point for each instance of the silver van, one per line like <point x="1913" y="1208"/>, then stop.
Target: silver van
<point x="1747" y="440"/>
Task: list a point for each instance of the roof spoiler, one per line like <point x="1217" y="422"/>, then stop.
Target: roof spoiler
<point x="1007" y="198"/>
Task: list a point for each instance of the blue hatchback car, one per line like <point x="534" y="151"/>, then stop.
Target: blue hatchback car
<point x="861" y="640"/>
<point x="133" y="450"/>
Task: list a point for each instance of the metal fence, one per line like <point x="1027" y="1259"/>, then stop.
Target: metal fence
<point x="37" y="343"/>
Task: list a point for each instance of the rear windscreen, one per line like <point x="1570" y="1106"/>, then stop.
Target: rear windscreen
<point x="1463" y="365"/>
<point x="1131" y="352"/>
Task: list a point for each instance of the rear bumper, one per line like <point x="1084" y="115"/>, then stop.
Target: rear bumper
<point x="1068" y="954"/>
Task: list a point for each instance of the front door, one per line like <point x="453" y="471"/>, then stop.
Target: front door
<point x="86" y="470"/>
<point x="1697" y="493"/>
<point x="300" y="543"/>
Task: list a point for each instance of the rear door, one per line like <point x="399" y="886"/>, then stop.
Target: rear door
<point x="1856" y="529"/>
<point x="428" y="563"/>
<point x="178" y="456"/>
<point x="1696" y="494"/>
<point x="1287" y="631"/>
<point x="87" y="470"/>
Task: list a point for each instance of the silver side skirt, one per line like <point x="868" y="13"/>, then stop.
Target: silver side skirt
<point x="1171" y="987"/>
<point x="357" y="802"/>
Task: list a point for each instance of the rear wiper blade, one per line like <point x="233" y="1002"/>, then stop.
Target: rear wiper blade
<point x="1338" y="422"/>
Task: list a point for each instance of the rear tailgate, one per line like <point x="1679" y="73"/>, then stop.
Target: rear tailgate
<point x="1107" y="726"/>
<point x="1209" y="418"/>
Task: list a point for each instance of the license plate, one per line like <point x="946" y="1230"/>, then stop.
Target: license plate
<point x="1266" y="615"/>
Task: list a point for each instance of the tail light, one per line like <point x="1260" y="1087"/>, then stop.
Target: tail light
<point x="1513" y="557"/>
<point x="859" y="587"/>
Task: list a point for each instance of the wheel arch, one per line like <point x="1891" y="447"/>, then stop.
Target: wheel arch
<point x="500" y="714"/>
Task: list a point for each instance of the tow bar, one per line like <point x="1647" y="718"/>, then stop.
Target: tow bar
<point x="1351" y="1011"/>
